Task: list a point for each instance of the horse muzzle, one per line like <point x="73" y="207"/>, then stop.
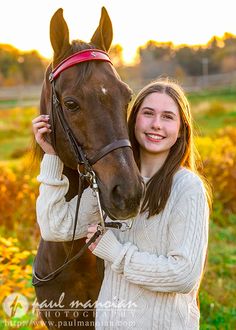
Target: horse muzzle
<point x="123" y="201"/>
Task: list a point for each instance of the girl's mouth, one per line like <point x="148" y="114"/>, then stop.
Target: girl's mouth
<point x="154" y="137"/>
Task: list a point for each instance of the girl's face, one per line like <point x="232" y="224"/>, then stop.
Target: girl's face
<point x="157" y="124"/>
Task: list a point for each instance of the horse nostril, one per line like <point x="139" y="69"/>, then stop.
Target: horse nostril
<point x="116" y="191"/>
<point x="118" y="196"/>
<point x="125" y="199"/>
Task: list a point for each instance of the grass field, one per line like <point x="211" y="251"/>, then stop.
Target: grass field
<point x="212" y="112"/>
<point x="15" y="132"/>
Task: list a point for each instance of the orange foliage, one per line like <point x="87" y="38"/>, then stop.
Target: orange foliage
<point x="18" y="192"/>
<point x="15" y="272"/>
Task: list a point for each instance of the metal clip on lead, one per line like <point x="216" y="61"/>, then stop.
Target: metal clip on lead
<point x="94" y="186"/>
<point x="126" y="226"/>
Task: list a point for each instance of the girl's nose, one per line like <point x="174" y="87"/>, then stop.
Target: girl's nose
<point x="156" y="123"/>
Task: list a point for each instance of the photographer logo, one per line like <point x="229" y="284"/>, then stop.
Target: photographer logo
<point x="15" y="305"/>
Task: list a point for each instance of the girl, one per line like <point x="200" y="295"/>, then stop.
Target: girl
<point x="152" y="271"/>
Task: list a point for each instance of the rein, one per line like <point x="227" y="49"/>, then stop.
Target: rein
<point x="81" y="158"/>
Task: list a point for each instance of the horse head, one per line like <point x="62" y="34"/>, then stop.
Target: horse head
<point x="93" y="101"/>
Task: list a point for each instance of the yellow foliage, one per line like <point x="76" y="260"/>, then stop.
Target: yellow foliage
<point x="18" y="192"/>
<point x="219" y="160"/>
<point x="15" y="271"/>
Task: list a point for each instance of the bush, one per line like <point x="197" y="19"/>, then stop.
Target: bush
<point x="18" y="192"/>
<point x="219" y="160"/>
<point x="16" y="277"/>
<point x="15" y="270"/>
<point x="216" y="108"/>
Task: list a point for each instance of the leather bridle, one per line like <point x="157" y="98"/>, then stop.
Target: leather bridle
<point x="79" y="155"/>
<point x="57" y="112"/>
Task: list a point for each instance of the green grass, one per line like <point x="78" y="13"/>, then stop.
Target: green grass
<point x="13" y="103"/>
<point x="223" y="95"/>
<point x="213" y="111"/>
<point x="218" y="309"/>
<point x="14" y="147"/>
<point x="206" y="124"/>
<point x="8" y="103"/>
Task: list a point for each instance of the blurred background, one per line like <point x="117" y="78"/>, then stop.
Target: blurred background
<point x="192" y="42"/>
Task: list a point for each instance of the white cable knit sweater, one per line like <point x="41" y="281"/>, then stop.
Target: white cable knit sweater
<point x="152" y="271"/>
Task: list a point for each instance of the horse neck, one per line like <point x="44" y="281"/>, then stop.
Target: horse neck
<point x="73" y="178"/>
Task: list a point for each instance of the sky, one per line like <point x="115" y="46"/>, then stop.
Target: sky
<point x="25" y="23"/>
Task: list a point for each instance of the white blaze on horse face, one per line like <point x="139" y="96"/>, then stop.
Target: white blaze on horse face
<point x="104" y="90"/>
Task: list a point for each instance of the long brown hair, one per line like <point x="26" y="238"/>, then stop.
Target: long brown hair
<point x="182" y="153"/>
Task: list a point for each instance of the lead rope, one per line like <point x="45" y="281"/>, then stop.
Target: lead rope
<point x="56" y="272"/>
<point x="90" y="175"/>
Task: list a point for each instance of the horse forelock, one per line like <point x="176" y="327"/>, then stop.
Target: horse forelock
<point x="85" y="68"/>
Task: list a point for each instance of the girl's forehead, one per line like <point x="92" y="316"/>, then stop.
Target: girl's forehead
<point x="160" y="101"/>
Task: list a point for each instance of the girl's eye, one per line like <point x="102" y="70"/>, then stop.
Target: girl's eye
<point x="168" y="116"/>
<point x="149" y="113"/>
<point x="71" y="105"/>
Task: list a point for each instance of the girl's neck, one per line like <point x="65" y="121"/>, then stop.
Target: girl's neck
<point x="151" y="163"/>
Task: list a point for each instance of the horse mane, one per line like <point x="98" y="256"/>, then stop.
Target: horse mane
<point x="85" y="68"/>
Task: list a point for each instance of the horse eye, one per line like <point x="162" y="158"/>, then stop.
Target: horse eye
<point x="71" y="105"/>
<point x="130" y="99"/>
<point x="131" y="95"/>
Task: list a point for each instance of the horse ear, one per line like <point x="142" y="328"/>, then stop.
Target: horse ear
<point x="104" y="34"/>
<point x="59" y="35"/>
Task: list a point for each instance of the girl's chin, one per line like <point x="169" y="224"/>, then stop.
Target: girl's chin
<point x="155" y="150"/>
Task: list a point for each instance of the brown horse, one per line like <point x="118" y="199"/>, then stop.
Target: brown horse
<point x="94" y="102"/>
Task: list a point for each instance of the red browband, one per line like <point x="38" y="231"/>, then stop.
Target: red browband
<point x="82" y="56"/>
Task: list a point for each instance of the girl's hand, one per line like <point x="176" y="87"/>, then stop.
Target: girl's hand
<point x="41" y="127"/>
<point x="91" y="231"/>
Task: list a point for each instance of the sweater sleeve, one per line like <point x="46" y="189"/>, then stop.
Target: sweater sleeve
<point x="55" y="216"/>
<point x="181" y="268"/>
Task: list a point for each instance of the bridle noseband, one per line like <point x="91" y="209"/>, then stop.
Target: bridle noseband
<point x="80" y="156"/>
